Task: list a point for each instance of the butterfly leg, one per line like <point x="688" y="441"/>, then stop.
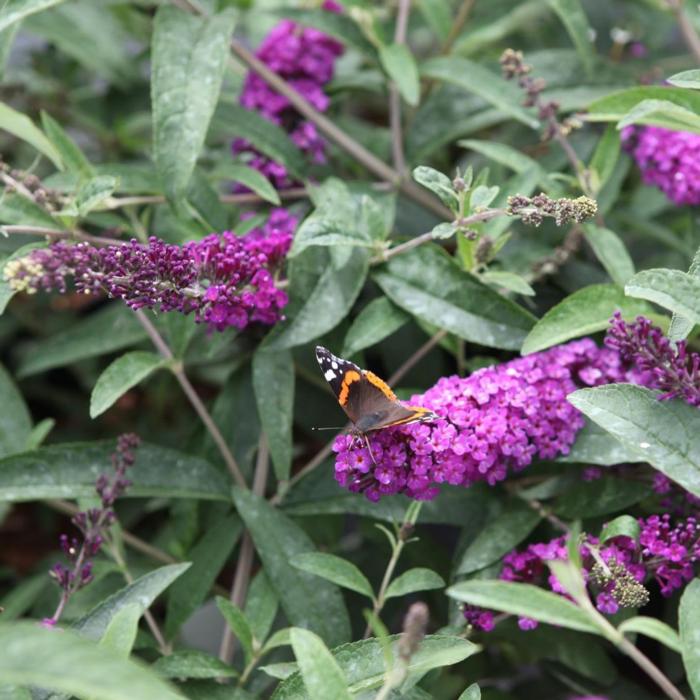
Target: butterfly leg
<point x="369" y="449"/>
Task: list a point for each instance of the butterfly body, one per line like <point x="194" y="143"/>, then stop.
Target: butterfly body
<point x="367" y="400"/>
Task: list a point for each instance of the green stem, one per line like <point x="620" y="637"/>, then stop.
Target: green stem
<point x="402" y="536"/>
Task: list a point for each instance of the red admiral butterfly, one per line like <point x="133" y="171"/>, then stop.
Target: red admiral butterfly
<point x="368" y="401"/>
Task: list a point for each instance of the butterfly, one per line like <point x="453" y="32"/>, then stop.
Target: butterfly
<point x="368" y="401"/>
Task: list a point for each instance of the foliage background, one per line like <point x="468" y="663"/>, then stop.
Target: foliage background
<point x="83" y="109"/>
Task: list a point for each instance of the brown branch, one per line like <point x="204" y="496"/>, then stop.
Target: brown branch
<point x="199" y="407"/>
<point x="394" y="97"/>
<point x="244" y="566"/>
<point x="690" y="34"/>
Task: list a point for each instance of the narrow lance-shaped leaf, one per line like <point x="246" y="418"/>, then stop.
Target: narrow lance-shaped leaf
<point x="23" y="127"/>
<point x="653" y="628"/>
<point x="574" y="19"/>
<point x="364" y="665"/>
<point x="689" y="625"/>
<point x="307" y="600"/>
<point x="680" y="326"/>
<point x="586" y="311"/>
<point x="335" y="569"/>
<point x="672" y="289"/>
<point x="69" y="470"/>
<point x="523" y="599"/>
<point x="273" y="381"/>
<point x="323" y="678"/>
<point x="70" y="664"/>
<point x="400" y="65"/>
<point x="664" y="433"/>
<point x="188" y="57"/>
<point x="414" y="580"/>
<point x="378" y="320"/>
<point x="123" y="374"/>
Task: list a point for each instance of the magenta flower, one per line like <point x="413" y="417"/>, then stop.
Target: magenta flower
<point x="93" y="525"/>
<point x="305" y="58"/>
<point x="616" y="572"/>
<point x="225" y="280"/>
<point x="667" y="367"/>
<point x="497" y="420"/>
<point x="669" y="160"/>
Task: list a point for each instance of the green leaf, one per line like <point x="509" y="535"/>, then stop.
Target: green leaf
<point x="307" y="600"/>
<point x="142" y="592"/>
<point x="378" y="320"/>
<point x="653" y="628"/>
<point x="397" y="60"/>
<point x="323" y="678"/>
<point x="363" y="664"/>
<point x="236" y="620"/>
<point x="252" y="179"/>
<point x="438" y="183"/>
<point x="623" y="525"/>
<point x="23" y="127"/>
<point x="16" y="10"/>
<point x="429" y="284"/>
<point x="508" y="280"/>
<point x="437" y="15"/>
<point x="661" y="113"/>
<point x="70" y="664"/>
<point x="336" y="569"/>
<point x="120" y="635"/>
<point x="69" y="470"/>
<point x="680" y="326"/>
<point x="686" y="79"/>
<point x="605" y="157"/>
<point x="689" y="628"/>
<point x="499" y="536"/>
<point x="413" y="580"/>
<point x="482" y="82"/>
<point x="192" y="664"/>
<point x="672" y="289"/>
<point x="594" y="446"/>
<point x="664" y="433"/>
<point x="110" y="329"/>
<point x="526" y="600"/>
<point x="94" y="192"/>
<point x="273" y="382"/>
<point x="613" y="108"/>
<point x="574" y="19"/>
<point x="22" y="596"/>
<point x="261" y="605"/>
<point x="189" y="56"/>
<point x="123" y="374"/>
<point x="266" y="137"/>
<point x="340" y="25"/>
<point x="611" y="251"/>
<point x="482" y="196"/>
<point x="508" y="156"/>
<point x="208" y="557"/>
<point x="73" y="158"/>
<point x="473" y="692"/>
<point x="586" y="311"/>
<point x="326" y="305"/>
<point x="591" y="499"/>
<point x="15" y="421"/>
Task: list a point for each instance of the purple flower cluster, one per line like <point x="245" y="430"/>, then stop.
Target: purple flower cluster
<point x="305" y="58"/>
<point x="616" y="571"/>
<point x="225" y="280"/>
<point x="669" y="160"/>
<point x="498" y="419"/>
<point x="666" y="366"/>
<point x="93" y="525"/>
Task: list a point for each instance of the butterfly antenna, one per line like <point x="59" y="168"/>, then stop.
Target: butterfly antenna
<point x="369" y="449"/>
<point x="338" y="427"/>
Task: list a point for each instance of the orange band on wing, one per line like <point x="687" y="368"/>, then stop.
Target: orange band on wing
<point x="348" y="379"/>
<point x="419" y="413"/>
<point x="380" y="384"/>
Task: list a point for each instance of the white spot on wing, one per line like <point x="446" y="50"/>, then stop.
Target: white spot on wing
<point x="330" y="374"/>
<point x="334" y="365"/>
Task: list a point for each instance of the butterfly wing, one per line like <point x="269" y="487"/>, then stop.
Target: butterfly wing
<point x="340" y="375"/>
